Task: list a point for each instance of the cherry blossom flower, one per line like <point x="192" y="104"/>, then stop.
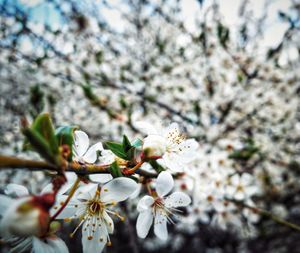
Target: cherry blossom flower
<point x="176" y="151"/>
<point x="92" y="206"/>
<point x="24" y="224"/>
<point x="159" y="208"/>
<point x="82" y="152"/>
<point x="241" y="187"/>
<point x="226" y="214"/>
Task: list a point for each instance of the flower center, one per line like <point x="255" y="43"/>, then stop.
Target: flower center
<point x="95" y="207"/>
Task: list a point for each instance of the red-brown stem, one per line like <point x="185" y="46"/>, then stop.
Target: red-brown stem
<point x="71" y="194"/>
<point x="132" y="170"/>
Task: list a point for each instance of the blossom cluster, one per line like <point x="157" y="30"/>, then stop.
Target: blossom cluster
<point x="30" y="221"/>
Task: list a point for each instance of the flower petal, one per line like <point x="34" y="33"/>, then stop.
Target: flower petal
<point x="117" y="190"/>
<point x="57" y="245"/>
<point x="101" y="178"/>
<point x="93" y="243"/>
<point x="5" y="203"/>
<point x="145" y="203"/>
<point x="109" y="222"/>
<point x="86" y="192"/>
<point x="107" y="157"/>
<point x="16" y="190"/>
<point x="81" y="142"/>
<point x="171" y="130"/>
<point x="173" y="162"/>
<point x="144" y="222"/>
<point x="91" y="155"/>
<point x="160" y="226"/>
<point x="177" y="199"/>
<point x="145" y="127"/>
<point x="68" y="211"/>
<point x="41" y="246"/>
<point x="246" y="179"/>
<point x="164" y="183"/>
<point x="235" y="179"/>
<point x="136" y="192"/>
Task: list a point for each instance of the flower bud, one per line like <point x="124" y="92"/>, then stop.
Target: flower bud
<point x="154" y="145"/>
<point x="28" y="216"/>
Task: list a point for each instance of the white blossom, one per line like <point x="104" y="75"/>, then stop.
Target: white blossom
<point x="81" y="150"/>
<point x="176" y="151"/>
<point x="92" y="206"/>
<point x="159" y="208"/>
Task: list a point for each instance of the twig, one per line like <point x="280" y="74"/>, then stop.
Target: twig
<point x="7" y="162"/>
<point x="267" y="214"/>
<point x="72" y="191"/>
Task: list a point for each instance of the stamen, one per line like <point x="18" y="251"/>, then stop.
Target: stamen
<point x="78" y="226"/>
<point x="122" y="218"/>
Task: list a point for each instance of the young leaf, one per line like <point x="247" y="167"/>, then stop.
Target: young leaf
<point x="126" y="143"/>
<point x="117" y="149"/>
<point x="115" y="170"/>
<point x="38" y="143"/>
<point x="43" y="125"/>
<point x="65" y="136"/>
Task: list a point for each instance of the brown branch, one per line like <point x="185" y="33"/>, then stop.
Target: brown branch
<point x="8" y="162"/>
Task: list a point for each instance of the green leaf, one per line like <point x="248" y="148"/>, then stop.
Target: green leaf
<point x="155" y="165"/>
<point x="115" y="170"/>
<point x="126" y="143"/>
<point x="246" y="152"/>
<point x="65" y="136"/>
<point x="43" y="126"/>
<point x="117" y="149"/>
<point x="38" y="143"/>
<point x="223" y="34"/>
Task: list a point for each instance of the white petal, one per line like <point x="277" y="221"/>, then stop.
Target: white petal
<point x="47" y="189"/>
<point x="251" y="190"/>
<point x="172" y="162"/>
<point x="16" y="190"/>
<point x="41" y="246"/>
<point x="107" y="157"/>
<point x="235" y="179"/>
<point x="109" y="222"/>
<point x="117" y="190"/>
<point x="230" y="190"/>
<point x="136" y="192"/>
<point x="143" y="223"/>
<point x="246" y="179"/>
<point x="57" y="245"/>
<point x="86" y="192"/>
<point x="177" y="199"/>
<point x="164" y="183"/>
<point x="145" y="203"/>
<point x="81" y="142"/>
<point x="173" y="128"/>
<point x="68" y="211"/>
<point x="5" y="203"/>
<point x="91" y="155"/>
<point x="97" y="243"/>
<point x="101" y="178"/>
<point x="239" y="195"/>
<point x="160" y="226"/>
<point x="145" y="127"/>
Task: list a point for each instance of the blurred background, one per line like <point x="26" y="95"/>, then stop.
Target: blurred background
<point x="226" y="71"/>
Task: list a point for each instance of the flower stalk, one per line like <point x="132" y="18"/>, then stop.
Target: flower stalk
<point x="71" y="194"/>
